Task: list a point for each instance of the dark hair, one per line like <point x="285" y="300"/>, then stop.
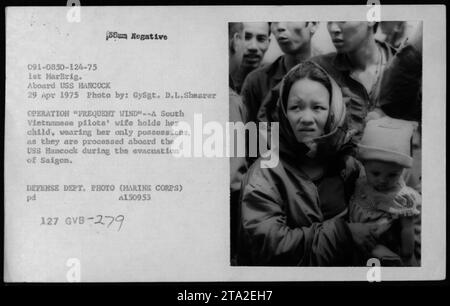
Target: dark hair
<point x="305" y="70"/>
<point x="401" y="86"/>
<point x="233" y="28"/>
<point x="270" y="24"/>
<point x="308" y="22"/>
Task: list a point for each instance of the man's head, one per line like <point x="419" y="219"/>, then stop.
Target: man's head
<point x="256" y="40"/>
<point x="294" y="37"/>
<point x="348" y="36"/>
<point x="235" y="45"/>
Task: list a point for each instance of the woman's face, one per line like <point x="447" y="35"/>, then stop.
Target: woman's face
<point x="308" y="107"/>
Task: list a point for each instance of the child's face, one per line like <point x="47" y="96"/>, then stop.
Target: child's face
<point x="382" y="176"/>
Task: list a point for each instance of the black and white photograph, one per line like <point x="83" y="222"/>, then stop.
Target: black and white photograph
<point x="223" y="144"/>
<point x="347" y="96"/>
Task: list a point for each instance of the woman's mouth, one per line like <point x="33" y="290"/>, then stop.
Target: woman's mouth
<point x="306" y="130"/>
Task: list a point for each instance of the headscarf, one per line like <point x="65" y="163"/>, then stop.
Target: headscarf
<point x="335" y="135"/>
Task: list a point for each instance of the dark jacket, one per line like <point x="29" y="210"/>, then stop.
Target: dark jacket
<point x="356" y="97"/>
<point x="258" y="83"/>
<point x="401" y="94"/>
<point x="288" y="219"/>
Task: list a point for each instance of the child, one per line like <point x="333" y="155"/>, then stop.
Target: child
<point x="381" y="195"/>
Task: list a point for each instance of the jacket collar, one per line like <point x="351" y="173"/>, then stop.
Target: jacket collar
<point x="277" y="70"/>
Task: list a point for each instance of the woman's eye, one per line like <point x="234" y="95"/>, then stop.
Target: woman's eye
<point x="319" y="108"/>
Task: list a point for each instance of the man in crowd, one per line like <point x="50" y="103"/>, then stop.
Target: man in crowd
<point x="235" y="49"/>
<point x="392" y="32"/>
<point x="238" y="165"/>
<point x="256" y="42"/>
<point x="358" y="67"/>
<point x="294" y="39"/>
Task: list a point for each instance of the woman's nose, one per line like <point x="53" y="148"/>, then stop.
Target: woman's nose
<point x="307" y="117"/>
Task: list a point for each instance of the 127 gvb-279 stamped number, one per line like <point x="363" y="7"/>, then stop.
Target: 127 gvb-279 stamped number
<point x="103" y="220"/>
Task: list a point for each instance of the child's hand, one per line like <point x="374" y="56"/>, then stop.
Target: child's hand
<point x="381" y="226"/>
<point x="362" y="236"/>
<point x="405" y="200"/>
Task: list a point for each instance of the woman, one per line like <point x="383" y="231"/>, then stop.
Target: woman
<point x="293" y="214"/>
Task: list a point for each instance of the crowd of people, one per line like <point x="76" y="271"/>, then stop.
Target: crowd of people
<point x="347" y="185"/>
